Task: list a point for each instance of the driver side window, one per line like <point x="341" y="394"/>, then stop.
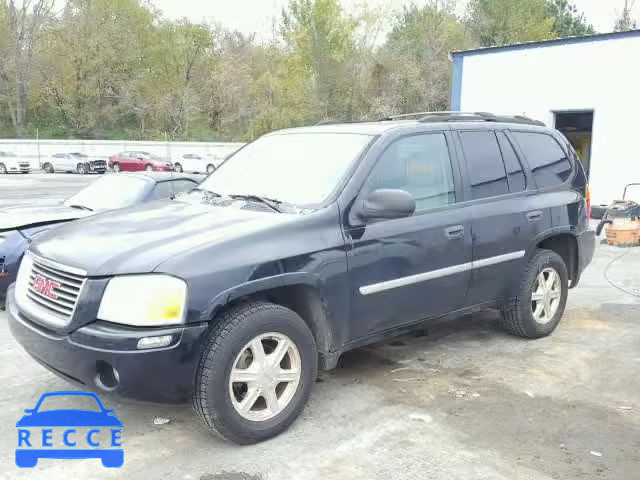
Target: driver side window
<point x="419" y="164"/>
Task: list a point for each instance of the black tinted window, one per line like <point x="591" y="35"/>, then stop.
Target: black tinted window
<point x="484" y="163"/>
<point x="183" y="185"/>
<point x="547" y="160"/>
<point x="161" y="190"/>
<point x="517" y="180"/>
<point x="419" y="164"/>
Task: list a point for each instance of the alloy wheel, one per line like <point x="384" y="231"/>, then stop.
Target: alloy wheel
<point x="265" y="376"/>
<point x="546" y="295"/>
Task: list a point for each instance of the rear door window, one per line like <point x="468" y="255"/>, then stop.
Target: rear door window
<point x="487" y="174"/>
<point x="515" y="172"/>
<point x="546" y="158"/>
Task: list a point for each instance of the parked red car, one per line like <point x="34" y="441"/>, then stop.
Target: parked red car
<point x="136" y="161"/>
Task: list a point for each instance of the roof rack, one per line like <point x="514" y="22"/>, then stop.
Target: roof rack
<point x="453" y="116"/>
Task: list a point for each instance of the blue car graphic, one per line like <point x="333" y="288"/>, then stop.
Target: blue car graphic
<point x="110" y="457"/>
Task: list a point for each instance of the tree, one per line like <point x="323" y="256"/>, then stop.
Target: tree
<point x="22" y="22"/>
<point x="414" y="72"/>
<point x="568" y="21"/>
<point x="502" y="22"/>
<point x="321" y="35"/>
<point x="625" y="21"/>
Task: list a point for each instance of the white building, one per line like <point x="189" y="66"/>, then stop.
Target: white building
<point x="587" y="87"/>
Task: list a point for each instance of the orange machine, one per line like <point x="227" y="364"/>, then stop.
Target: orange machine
<point x="622" y="219"/>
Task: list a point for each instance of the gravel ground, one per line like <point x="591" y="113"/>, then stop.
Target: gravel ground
<point x="461" y="400"/>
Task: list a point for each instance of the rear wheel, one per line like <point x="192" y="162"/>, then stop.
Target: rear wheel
<point x="210" y="169"/>
<point x="149" y="168"/>
<point x="542" y="297"/>
<point x="47" y="167"/>
<point x="256" y="372"/>
<point x="116" y="167"/>
<point x="3" y="169"/>
<point x="177" y="167"/>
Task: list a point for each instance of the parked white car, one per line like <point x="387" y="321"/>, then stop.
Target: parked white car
<point x="10" y="163"/>
<point x="74" y="162"/>
<point x="197" y="163"/>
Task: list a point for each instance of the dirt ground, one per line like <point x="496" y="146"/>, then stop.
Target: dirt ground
<point x="461" y="400"/>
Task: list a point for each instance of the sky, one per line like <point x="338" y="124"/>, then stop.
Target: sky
<point x="258" y="16"/>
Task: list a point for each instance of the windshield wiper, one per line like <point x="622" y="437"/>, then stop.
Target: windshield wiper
<point x="269" y="202"/>
<point x="206" y="192"/>
<point x="81" y="207"/>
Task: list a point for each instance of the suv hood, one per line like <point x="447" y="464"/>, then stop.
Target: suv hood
<point x="15" y="218"/>
<point x="138" y="239"/>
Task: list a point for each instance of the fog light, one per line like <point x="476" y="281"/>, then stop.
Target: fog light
<point x="154" y="342"/>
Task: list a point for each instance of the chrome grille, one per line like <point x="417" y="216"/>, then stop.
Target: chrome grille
<point x="54" y="288"/>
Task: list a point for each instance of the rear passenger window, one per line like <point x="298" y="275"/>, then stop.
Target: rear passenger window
<point x="419" y="164"/>
<point x="162" y="190"/>
<point x="515" y="173"/>
<point x="548" y="162"/>
<point x="484" y="163"/>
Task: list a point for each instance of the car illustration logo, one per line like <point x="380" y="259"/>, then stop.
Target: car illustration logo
<point x="42" y="431"/>
<point x="45" y="286"/>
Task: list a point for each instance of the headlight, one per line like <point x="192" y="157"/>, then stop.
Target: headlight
<point x="144" y="300"/>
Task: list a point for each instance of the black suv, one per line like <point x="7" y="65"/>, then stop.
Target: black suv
<point x="307" y="243"/>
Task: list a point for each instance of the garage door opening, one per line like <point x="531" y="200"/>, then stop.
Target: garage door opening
<point x="578" y="128"/>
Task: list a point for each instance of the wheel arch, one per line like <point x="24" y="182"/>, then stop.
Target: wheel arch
<point x="300" y="292"/>
<point x="562" y="241"/>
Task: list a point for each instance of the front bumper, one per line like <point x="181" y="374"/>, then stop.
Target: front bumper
<point x="89" y="356"/>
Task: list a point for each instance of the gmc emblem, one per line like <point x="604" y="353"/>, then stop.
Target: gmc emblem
<point x="45" y="286"/>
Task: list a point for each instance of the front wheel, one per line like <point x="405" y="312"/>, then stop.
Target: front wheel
<point x="257" y="368"/>
<point x="542" y="297"/>
<point x="81" y="168"/>
<point x="210" y="169"/>
<point x="3" y="169"/>
<point x="177" y="167"/>
<point x="149" y="168"/>
<point x="116" y="167"/>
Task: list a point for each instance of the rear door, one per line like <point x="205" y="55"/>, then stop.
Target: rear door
<point x="506" y="214"/>
<point x="408" y="269"/>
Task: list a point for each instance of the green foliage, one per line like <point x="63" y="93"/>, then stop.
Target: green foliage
<point x="117" y="69"/>
<point x="502" y="22"/>
<point x="568" y="21"/>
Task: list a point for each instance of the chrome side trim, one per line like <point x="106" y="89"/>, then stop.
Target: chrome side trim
<point x="443" y="272"/>
<point x="485" y="262"/>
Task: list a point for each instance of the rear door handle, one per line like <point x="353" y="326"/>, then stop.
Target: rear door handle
<point x="534" y="216"/>
<point x="457" y="231"/>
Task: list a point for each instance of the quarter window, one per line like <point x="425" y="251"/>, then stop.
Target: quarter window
<point x="515" y="173"/>
<point x="419" y="164"/>
<point x="547" y="160"/>
<point x="487" y="174"/>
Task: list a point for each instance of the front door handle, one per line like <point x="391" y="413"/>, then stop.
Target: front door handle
<point x="534" y="216"/>
<point x="457" y="231"/>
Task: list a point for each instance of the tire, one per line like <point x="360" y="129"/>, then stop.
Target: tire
<point x="81" y="169"/>
<point x="3" y="169"/>
<point x="520" y="320"/>
<point x="213" y="397"/>
<point x="177" y="167"/>
<point x="47" y="167"/>
<point x="210" y="169"/>
<point x="149" y="168"/>
<point x="116" y="167"/>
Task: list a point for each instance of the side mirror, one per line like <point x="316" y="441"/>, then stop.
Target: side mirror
<point x="387" y="204"/>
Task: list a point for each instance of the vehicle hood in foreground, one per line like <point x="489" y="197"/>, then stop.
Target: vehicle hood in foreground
<point x="15" y="218"/>
<point x="138" y="239"/>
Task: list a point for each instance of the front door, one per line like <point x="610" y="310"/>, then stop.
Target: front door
<point x="409" y="269"/>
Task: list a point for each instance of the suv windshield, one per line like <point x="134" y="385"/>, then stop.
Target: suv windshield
<point x="110" y="192"/>
<point x="296" y="168"/>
